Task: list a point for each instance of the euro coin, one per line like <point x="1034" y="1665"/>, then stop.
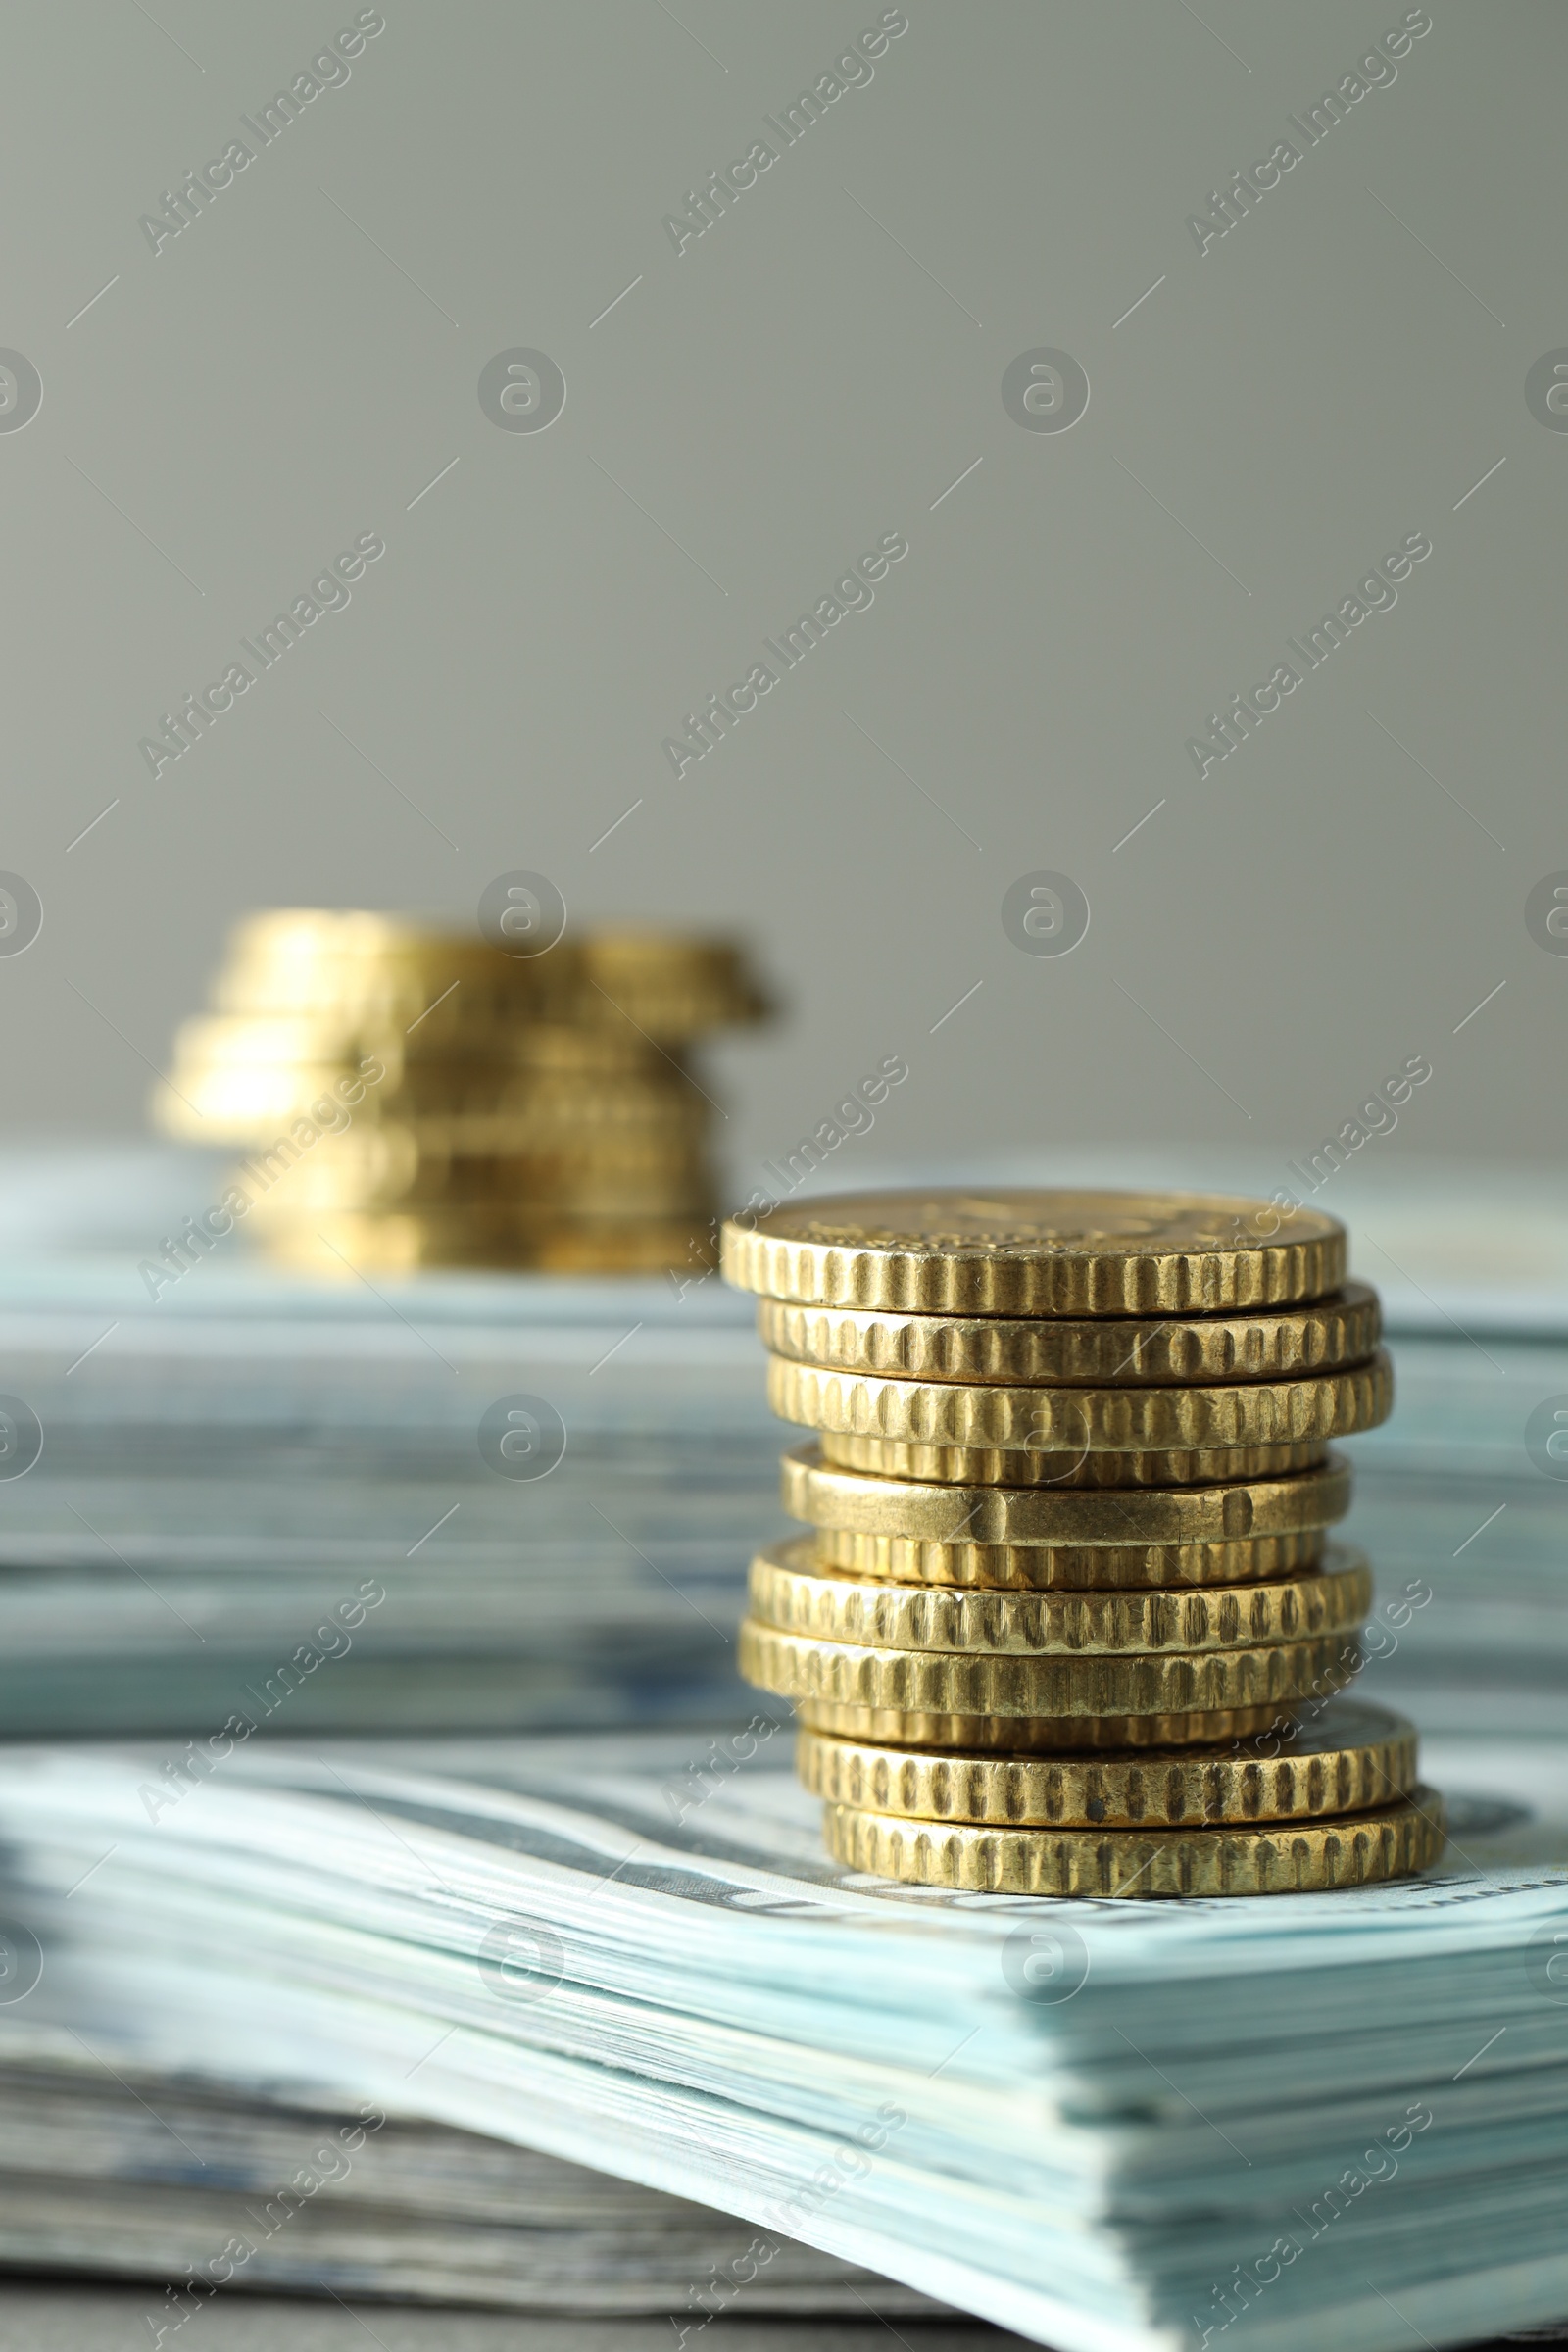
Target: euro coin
<point x="1026" y="1253"/>
<point x="676" y="1246"/>
<point x="398" y="1165"/>
<point x="667" y="985"/>
<point x="373" y="968"/>
<point x="789" y="1590"/>
<point x="1296" y="1857"/>
<point x="1041" y="1734"/>
<point x="1132" y="1420"/>
<point x="1352" y="1758"/>
<point x="990" y="1466"/>
<point x="1065" y="1567"/>
<point x="951" y="1683"/>
<point x="404" y="1242"/>
<point x="664" y="959"/>
<point x="285" y="934"/>
<point x="286" y="1042"/>
<point x="498" y="1109"/>
<point x="1292" y="1342"/>
<point x="345" y="1242"/>
<point x="655" y="986"/>
<point x="236" y="1104"/>
<point x="934" y="1512"/>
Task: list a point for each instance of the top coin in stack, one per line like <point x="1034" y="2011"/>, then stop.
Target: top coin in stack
<point x="446" y="1101"/>
<point x="1036" y="1367"/>
<point x="388" y="973"/>
<point x="1034" y="1254"/>
<point x="666" y="987"/>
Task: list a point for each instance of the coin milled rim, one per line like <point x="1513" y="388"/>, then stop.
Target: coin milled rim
<point x="934" y="1510"/>
<point x="1067" y="1567"/>
<point x="1358" y="1849"/>
<point x="1291" y="1343"/>
<point x="1038" y="1252"/>
<point x="953" y="1683"/>
<point x="1353" y="1758"/>
<point x="1041" y="1734"/>
<point x="997" y="1466"/>
<point x="791" y="1593"/>
<point x="1029" y="1420"/>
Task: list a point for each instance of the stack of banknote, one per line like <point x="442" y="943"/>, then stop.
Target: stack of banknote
<point x="1316" y="2118"/>
<point x="113" y="2170"/>
<point x="206" y="1472"/>
<point x="1104" y="2126"/>
<point x="488" y="1499"/>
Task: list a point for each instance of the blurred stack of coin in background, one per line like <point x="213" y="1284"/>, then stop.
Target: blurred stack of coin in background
<point x="1068" y="1621"/>
<point x="410" y="1097"/>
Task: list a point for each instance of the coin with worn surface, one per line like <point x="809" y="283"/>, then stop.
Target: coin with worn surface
<point x="1111" y="1351"/>
<point x="991" y="1466"/>
<point x="790" y="1590"/>
<point x="1066" y="1567"/>
<point x="1136" y="1420"/>
<point x="1048" y="1252"/>
<point x="1297" y="1858"/>
<point x="1352" y="1757"/>
<point x="1042" y="1735"/>
<point x="953" y="1683"/>
<point x="939" y="1513"/>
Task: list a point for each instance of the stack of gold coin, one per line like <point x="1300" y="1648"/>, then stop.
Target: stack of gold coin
<point x="407" y="1097"/>
<point x="1067" y="1620"/>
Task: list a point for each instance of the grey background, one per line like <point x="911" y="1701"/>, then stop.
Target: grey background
<point x="756" y="410"/>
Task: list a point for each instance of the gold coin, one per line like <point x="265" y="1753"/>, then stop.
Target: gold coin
<point x="504" y="1115"/>
<point x="302" y="936"/>
<point x="977" y="1466"/>
<point x="1301" y="1857"/>
<point x="667" y="959"/>
<point x="665" y="985"/>
<point x="1114" y="1352"/>
<point x="790" y="1591"/>
<point x="917" y="1412"/>
<point x="1038" y="1252"/>
<point x="1040" y="1735"/>
<point x="949" y="1683"/>
<point x="1066" y="1567"/>
<point x="623" y="1244"/>
<point x="431" y="1007"/>
<point x="396" y="1165"/>
<point x="344" y="1241"/>
<point x="499" y="1111"/>
<point x="368" y="966"/>
<point x="403" y="1241"/>
<point x="319" y="1042"/>
<point x="237" y="1106"/>
<point x="355" y="964"/>
<point x="1352" y="1758"/>
<point x="933" y="1513"/>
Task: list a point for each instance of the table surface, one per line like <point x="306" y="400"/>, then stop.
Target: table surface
<point x="40" y="2315"/>
<point x="48" y="2316"/>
